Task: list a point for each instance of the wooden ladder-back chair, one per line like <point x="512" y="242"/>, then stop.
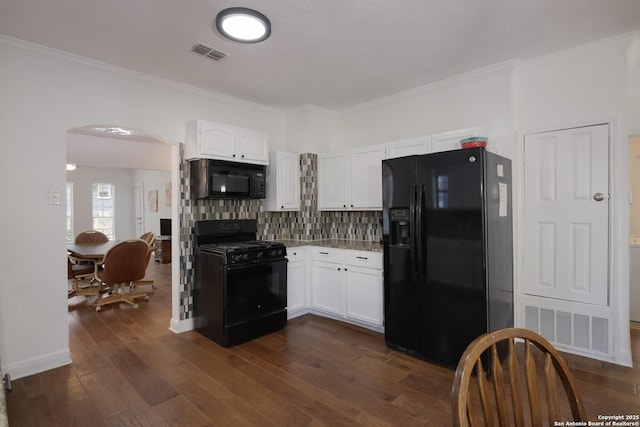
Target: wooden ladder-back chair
<point x="500" y="399"/>
<point x="124" y="265"/>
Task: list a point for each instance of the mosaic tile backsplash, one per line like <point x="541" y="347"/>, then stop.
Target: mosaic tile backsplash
<point x="306" y="224"/>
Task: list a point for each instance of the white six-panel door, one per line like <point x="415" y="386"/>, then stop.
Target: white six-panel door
<point x="566" y="215"/>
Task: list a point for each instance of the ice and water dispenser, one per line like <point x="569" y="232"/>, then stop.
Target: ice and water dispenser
<point x="400" y="227"/>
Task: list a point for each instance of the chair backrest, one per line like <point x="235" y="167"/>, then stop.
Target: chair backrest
<point x="149" y="237"/>
<point x="91" y="236"/>
<point x="499" y="397"/>
<point x="124" y="262"/>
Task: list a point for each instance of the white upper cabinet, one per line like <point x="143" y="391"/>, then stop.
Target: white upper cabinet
<point x="408" y="147"/>
<point x="252" y="146"/>
<point x="351" y="180"/>
<point x="451" y="140"/>
<point x="283" y="182"/>
<point x="365" y="173"/>
<point x="210" y="140"/>
<point x="333" y="187"/>
<point x="430" y="144"/>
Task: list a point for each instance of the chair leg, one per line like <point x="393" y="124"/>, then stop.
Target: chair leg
<point x="120" y="295"/>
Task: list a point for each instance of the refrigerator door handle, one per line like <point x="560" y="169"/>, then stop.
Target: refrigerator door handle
<point x="412" y="230"/>
<point x="419" y="231"/>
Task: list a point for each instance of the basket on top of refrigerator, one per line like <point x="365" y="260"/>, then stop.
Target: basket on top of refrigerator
<point x="474" y="141"/>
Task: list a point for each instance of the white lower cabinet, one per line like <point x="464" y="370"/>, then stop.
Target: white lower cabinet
<point x="364" y="289"/>
<point x="297" y="282"/>
<point x="327" y="280"/>
<point x="347" y="284"/>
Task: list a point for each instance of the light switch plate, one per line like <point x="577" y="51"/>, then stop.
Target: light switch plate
<point x="54" y="197"/>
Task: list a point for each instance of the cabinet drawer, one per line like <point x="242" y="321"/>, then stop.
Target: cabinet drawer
<point x="296" y="254"/>
<point x="363" y="258"/>
<point x="326" y="254"/>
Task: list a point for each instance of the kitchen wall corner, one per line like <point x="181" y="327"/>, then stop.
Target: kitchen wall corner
<point x="307" y="224"/>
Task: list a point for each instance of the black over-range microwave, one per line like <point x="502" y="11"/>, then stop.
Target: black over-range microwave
<point x="218" y="179"/>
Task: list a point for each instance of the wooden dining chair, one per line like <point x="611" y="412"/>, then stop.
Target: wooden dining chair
<point x="91" y="236"/>
<point x="149" y="237"/>
<point x="77" y="271"/>
<point x="124" y="265"/>
<point x="495" y="395"/>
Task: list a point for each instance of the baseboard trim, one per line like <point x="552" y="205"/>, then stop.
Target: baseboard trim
<point x="179" y="326"/>
<point x="36" y="365"/>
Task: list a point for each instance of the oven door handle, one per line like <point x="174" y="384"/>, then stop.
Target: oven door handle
<point x="255" y="264"/>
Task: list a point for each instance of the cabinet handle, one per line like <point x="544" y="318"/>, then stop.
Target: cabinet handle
<point x="233" y="155"/>
<point x="351" y="205"/>
<point x="362" y="257"/>
<point x="323" y="253"/>
<point x="242" y="156"/>
<point x="295" y="253"/>
<point x="282" y="207"/>
<point x="339" y="269"/>
<point x="345" y="269"/>
<point x="344" y="206"/>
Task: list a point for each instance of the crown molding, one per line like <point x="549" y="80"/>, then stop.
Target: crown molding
<point x="77" y="61"/>
<point x="314" y="109"/>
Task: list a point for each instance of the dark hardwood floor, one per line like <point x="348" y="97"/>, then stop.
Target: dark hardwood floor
<point x="130" y="370"/>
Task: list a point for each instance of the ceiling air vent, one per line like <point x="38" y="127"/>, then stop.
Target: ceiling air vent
<point x="207" y="51"/>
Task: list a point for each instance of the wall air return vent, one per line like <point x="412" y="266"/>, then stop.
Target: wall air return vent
<point x="207" y="51"/>
<point x="569" y="329"/>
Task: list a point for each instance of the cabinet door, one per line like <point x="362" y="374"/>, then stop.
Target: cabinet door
<point x="295" y="286"/>
<point x="217" y="140"/>
<point x="366" y="177"/>
<point x="451" y="140"/>
<point x="364" y="294"/>
<point x="252" y="147"/>
<point x="408" y="147"/>
<point x="327" y="287"/>
<point x="333" y="188"/>
<point x="288" y="181"/>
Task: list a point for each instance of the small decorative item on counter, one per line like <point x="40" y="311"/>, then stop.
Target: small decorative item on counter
<point x="474" y="141"/>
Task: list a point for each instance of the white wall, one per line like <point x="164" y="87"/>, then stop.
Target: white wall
<point x="83" y="179"/>
<point x="117" y="153"/>
<point x="479" y="98"/>
<point x="49" y="94"/>
<point x="44" y="94"/>
<point x="633" y="88"/>
<point x="584" y="86"/>
<point x="158" y="181"/>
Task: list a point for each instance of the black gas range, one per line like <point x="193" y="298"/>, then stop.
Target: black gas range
<point x="240" y="283"/>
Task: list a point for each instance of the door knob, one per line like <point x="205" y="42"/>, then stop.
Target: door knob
<point x="598" y="197"/>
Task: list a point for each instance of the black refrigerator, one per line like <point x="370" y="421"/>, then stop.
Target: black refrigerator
<point x="448" y="251"/>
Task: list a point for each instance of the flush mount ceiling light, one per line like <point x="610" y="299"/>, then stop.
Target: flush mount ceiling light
<point x="117" y="131"/>
<point x="243" y="25"/>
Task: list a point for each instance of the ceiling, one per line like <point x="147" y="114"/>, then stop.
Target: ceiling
<point x="332" y="54"/>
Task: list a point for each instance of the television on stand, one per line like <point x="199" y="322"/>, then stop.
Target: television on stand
<point x="165" y="227"/>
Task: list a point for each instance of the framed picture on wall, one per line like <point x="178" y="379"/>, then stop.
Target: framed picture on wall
<point x="153" y="200"/>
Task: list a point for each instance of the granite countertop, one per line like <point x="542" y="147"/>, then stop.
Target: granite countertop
<point x="358" y="245"/>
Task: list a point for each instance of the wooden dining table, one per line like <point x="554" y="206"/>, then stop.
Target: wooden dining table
<point x="93" y="252"/>
<point x="90" y="251"/>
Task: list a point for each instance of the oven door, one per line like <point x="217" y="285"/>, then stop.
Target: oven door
<point x="255" y="290"/>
